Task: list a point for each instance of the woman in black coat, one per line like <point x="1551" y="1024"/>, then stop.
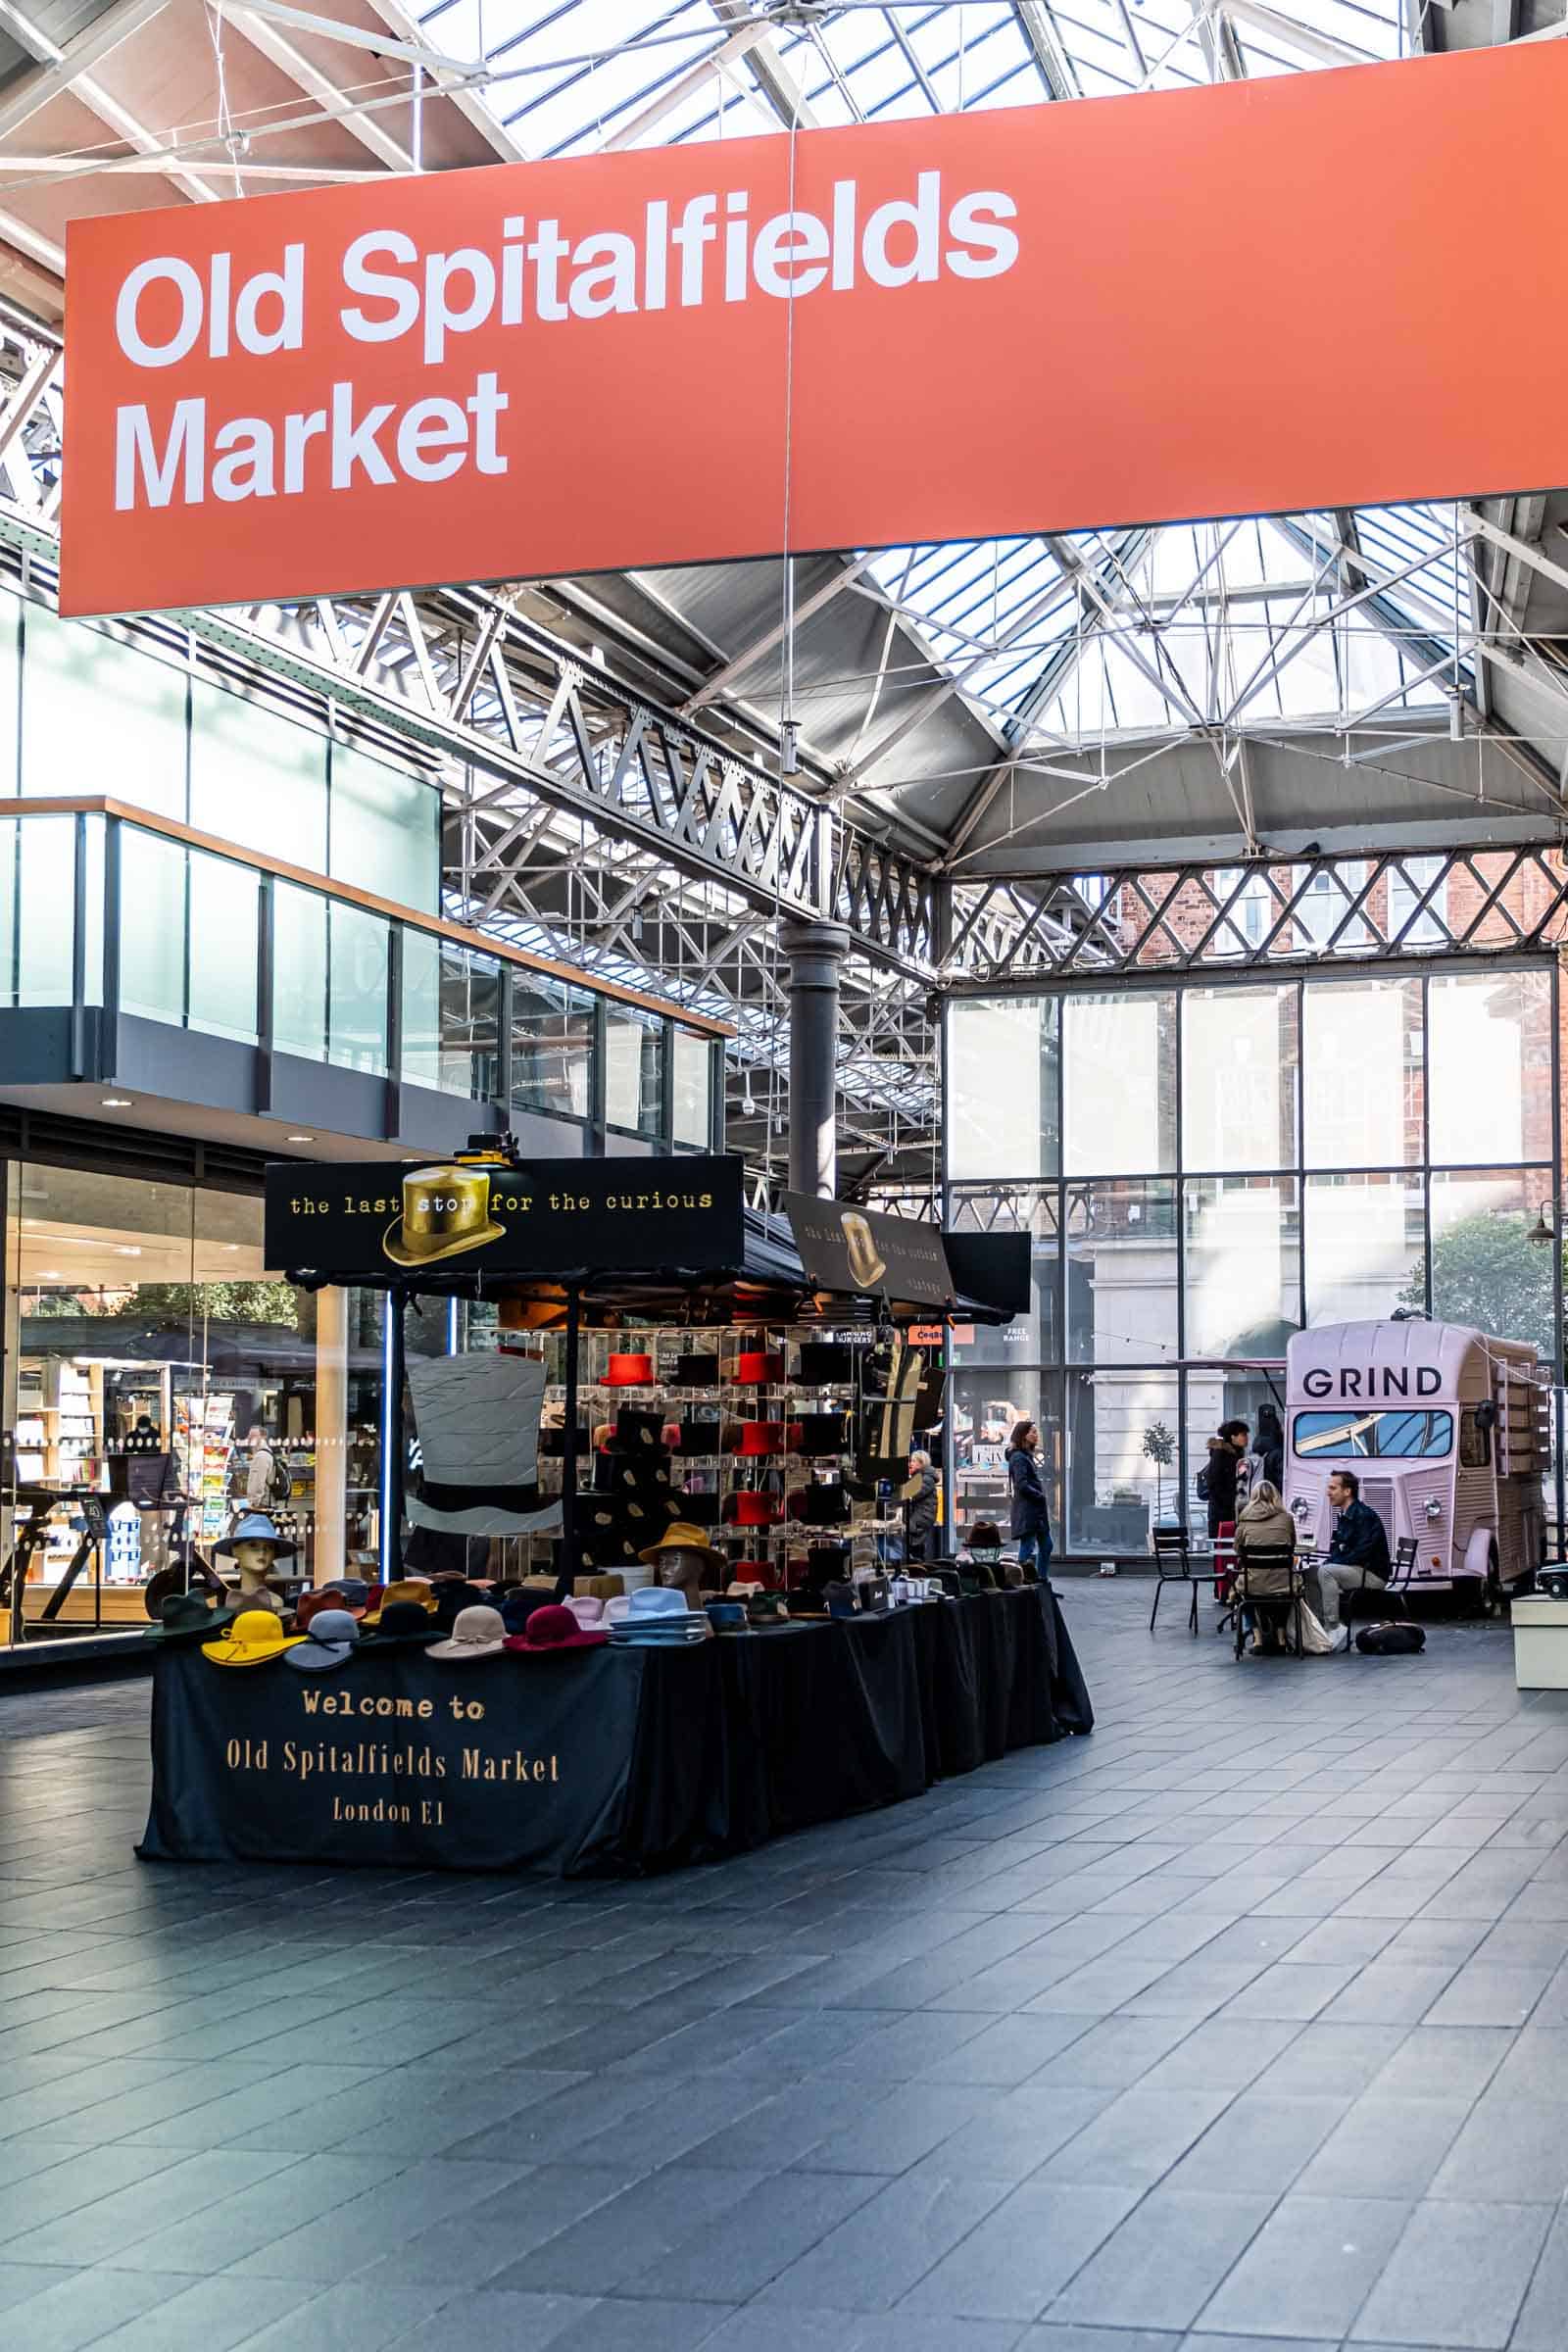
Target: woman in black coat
<point x="1030" y="1520"/>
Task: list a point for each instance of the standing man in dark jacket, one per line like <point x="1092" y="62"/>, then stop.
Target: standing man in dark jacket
<point x="922" y="1514"/>
<point x="1225" y="1451"/>
<point x="1030" y="1520"/>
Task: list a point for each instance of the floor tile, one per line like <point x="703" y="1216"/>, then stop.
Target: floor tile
<point x="1458" y="2277"/>
<point x="1162" y="2265"/>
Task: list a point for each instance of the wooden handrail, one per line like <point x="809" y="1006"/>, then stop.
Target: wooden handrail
<point x="573" y="975"/>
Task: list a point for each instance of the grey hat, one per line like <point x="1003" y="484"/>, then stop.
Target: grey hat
<point x="256" y="1527"/>
<point x="476" y="1633"/>
<point x="330" y="1641"/>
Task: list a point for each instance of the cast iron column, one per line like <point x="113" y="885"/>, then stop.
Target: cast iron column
<point x="816" y="952"/>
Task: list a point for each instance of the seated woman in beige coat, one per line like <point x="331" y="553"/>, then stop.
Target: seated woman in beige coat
<point x="1265" y="1525"/>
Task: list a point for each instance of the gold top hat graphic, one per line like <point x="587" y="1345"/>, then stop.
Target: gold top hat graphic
<point x="446" y="1210"/>
<point x="867" y="1265"/>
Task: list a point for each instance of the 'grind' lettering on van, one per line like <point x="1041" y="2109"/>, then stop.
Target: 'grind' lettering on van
<point x="1365" y="1382"/>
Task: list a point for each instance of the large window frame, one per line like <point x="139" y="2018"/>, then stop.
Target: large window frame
<point x="974" y="1198"/>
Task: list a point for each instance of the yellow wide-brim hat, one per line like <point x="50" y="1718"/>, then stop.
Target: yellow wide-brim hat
<point x="403" y="1589"/>
<point x="446" y="1211"/>
<point x="255" y="1637"/>
<point x="679" y="1536"/>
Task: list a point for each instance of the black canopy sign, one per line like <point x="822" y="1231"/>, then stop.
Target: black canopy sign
<point x="851" y="1250"/>
<point x="349" y="1220"/>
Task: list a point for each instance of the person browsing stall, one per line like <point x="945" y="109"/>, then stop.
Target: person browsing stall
<point x="1030" y="1520"/>
<point x="1358" y="1549"/>
<point x="922" y="1516"/>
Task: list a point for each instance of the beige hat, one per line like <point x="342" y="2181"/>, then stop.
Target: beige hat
<point x="476" y="1633"/>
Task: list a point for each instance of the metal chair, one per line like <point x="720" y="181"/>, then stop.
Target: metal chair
<point x="1372" y="1603"/>
<point x="1173" y="1565"/>
<point x="1258" y="1587"/>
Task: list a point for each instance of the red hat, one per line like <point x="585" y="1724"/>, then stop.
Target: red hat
<point x="748" y="1509"/>
<point x="759" y="1369"/>
<point x="553" y="1628"/>
<point x="758" y="1437"/>
<point x="325" y="1597"/>
<point x="629" y="1372"/>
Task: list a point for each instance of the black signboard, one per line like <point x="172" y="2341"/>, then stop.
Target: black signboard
<point x="357" y="1219"/>
<point x="887" y="1257"/>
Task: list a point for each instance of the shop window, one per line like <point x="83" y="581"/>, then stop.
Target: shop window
<point x="257" y="779"/>
<point x="634" y="1061"/>
<point x="1119" y="1082"/>
<point x="384" y="830"/>
<point x="98" y="716"/>
<point x="1003" y="1115"/>
<point x="552" y="1045"/>
<point x="693" y="1087"/>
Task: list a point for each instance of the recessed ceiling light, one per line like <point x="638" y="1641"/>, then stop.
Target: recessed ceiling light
<point x="50" y="1274"/>
<point x="302" y="1139"/>
<point x="118" y="1103"/>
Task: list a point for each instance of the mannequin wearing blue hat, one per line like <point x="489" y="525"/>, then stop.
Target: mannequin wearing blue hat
<point x="255" y="1547"/>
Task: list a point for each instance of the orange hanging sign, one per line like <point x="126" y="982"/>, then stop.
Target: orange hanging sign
<point x="1257" y="297"/>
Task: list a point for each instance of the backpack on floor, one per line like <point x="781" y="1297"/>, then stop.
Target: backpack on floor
<point x="1396" y="1641"/>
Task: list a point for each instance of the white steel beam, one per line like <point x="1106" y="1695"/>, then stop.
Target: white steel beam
<point x="46" y="81"/>
<point x="254" y="24"/>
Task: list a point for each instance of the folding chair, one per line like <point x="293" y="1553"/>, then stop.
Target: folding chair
<point x="1173" y="1565"/>
<point x="1269" y="1577"/>
<point x="1373" y="1602"/>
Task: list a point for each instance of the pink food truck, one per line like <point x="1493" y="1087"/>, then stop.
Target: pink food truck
<point x="1447" y="1429"/>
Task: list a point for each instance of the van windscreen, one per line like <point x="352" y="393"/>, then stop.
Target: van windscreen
<point x="1373" y="1437"/>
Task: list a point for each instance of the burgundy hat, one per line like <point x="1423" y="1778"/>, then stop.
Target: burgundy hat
<point x="553" y="1628"/>
<point x="758" y="1437"/>
<point x="325" y="1597"/>
<point x="746" y="1509"/>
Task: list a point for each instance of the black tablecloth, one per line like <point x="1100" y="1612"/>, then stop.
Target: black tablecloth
<point x="599" y="1760"/>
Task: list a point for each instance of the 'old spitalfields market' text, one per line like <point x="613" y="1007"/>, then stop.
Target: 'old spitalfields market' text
<point x="374" y="1753"/>
<point x="536" y="273"/>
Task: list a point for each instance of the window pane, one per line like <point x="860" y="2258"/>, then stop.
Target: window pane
<point x="299" y="972"/>
<point x="1239" y="1074"/>
<point x="1362" y="1074"/>
<point x="1364" y="1248"/>
<point x="257" y="779"/>
<point x="1486" y="1271"/>
<point x="693" y="1077"/>
<point x="552" y="1045"/>
<point x="422" y="1008"/>
<point x="1036" y="1336"/>
<point x="9" y="687"/>
<point x="1119" y="1424"/>
<point x="152" y="926"/>
<point x="634" y="1044"/>
<point x="225" y="905"/>
<point x="1244" y="1291"/>
<point x="1120" y="1073"/>
<point x="1490" y="1053"/>
<point x="1347" y="1432"/>
<point x="985" y="1401"/>
<point x="357" y="1022"/>
<point x="384" y="830"/>
<point x="98" y="716"/>
<point x="1121" y="1272"/>
<point x="1003" y="1087"/>
<point x="37" y="874"/>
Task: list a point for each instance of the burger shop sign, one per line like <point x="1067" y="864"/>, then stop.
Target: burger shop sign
<point x="349" y="1220"/>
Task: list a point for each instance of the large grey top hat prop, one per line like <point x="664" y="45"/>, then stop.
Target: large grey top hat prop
<point x="478" y="1418"/>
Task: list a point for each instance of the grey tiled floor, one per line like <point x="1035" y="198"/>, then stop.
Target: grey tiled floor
<point x="1242" y="2024"/>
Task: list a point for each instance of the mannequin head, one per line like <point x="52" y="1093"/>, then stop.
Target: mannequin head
<point x="254" y="1560"/>
<point x="684" y="1569"/>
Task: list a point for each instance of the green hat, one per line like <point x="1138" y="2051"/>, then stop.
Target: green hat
<point x="187" y="1618"/>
